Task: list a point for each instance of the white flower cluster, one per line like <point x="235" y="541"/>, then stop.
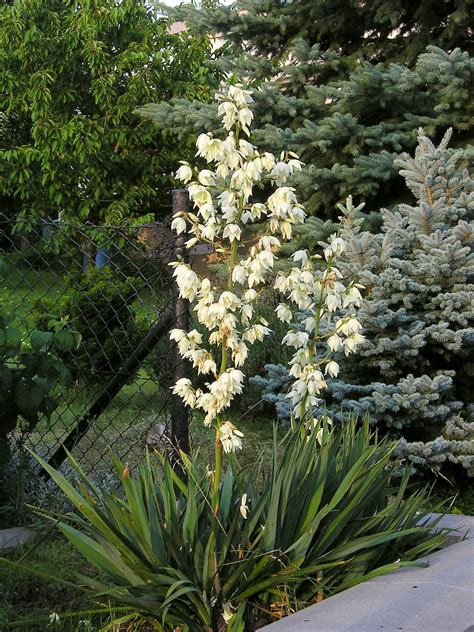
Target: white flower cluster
<point x="221" y="195"/>
<point x="217" y="398"/>
<point x="230" y="437"/>
<point x="317" y="288"/>
<point x="223" y="209"/>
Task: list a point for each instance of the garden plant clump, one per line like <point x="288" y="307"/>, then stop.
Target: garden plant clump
<point x="213" y="550"/>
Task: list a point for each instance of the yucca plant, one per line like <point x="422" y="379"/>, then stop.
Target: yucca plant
<point x="329" y="515"/>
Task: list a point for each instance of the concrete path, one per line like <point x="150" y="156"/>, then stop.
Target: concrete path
<point x="439" y="598"/>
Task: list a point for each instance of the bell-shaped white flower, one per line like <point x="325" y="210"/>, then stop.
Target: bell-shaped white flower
<point x="208" y="147"/>
<point x="333" y="301"/>
<point x="334" y="342"/>
<point x="244" y="508"/>
<point x="187" y="281"/>
<point x="296" y="339"/>
<point x="179" y="225"/>
<point x="246" y="148"/>
<point x="353" y="297"/>
<point x="206" y="177"/>
<point x="280" y="173"/>
<point x="300" y="255"/>
<point x="229" y="300"/>
<point x="184" y="389"/>
<point x="336" y="246"/>
<point x="332" y="368"/>
<point x="269" y="242"/>
<point x="232" y="232"/>
<point x="239" y="275"/>
<point x="230" y="437"/>
<point x="240" y="354"/>
<point x="352" y="342"/>
<point x="228" y="113"/>
<point x="283" y="313"/>
<point x="184" y="173"/>
<point x="240" y="95"/>
<point x="245" y="119"/>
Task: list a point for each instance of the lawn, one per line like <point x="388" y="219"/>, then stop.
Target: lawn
<point x="29" y="599"/>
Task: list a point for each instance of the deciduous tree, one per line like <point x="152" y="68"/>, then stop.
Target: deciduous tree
<point x="73" y="74"/>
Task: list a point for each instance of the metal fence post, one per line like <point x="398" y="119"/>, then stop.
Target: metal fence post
<point x="180" y="415"/>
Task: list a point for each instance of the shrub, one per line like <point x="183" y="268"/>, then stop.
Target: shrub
<point x="99" y="305"/>
<point x="30" y="372"/>
<point x="23" y="487"/>
<point x="328" y="517"/>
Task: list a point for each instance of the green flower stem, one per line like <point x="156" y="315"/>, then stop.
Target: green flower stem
<point x="224" y="361"/>
<point x="224" y="358"/>
<point x="217" y="471"/>
<point x="317" y="322"/>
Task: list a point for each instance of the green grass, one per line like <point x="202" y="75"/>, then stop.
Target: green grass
<point x="23" y="288"/>
<point x="29" y="599"/>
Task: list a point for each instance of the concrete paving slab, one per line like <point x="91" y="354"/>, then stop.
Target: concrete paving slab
<point x="439" y="598"/>
<point x="16" y="536"/>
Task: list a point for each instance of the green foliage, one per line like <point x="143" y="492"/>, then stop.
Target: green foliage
<point x="21" y="488"/>
<point x="459" y="497"/>
<point x="377" y="30"/>
<point x="30" y="371"/>
<point x="327" y="517"/>
<point x="73" y="74"/>
<point x="99" y="306"/>
<point x="418" y="360"/>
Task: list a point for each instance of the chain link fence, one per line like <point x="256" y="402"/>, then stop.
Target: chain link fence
<point x="113" y="285"/>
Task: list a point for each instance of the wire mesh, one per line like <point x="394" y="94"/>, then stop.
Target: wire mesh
<point x="112" y="285"/>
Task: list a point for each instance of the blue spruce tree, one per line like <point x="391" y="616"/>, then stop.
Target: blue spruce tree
<point x="414" y="374"/>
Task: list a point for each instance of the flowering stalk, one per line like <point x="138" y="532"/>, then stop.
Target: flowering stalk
<point x="329" y="324"/>
<point x="223" y="208"/>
